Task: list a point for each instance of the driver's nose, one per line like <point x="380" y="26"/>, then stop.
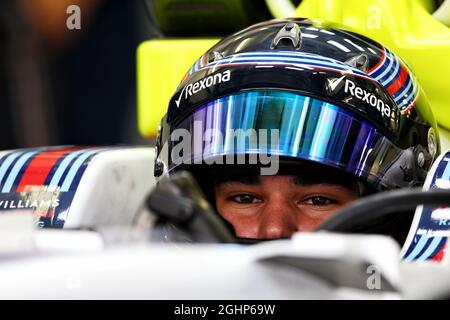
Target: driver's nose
<point x="277" y="220"/>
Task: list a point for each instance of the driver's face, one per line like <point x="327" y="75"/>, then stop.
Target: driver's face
<point x="270" y="207"/>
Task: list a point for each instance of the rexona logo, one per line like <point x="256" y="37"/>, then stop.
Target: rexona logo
<point x="202" y="84"/>
<point x="367" y="97"/>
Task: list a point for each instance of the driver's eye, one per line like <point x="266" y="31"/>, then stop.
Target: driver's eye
<point x="319" y="201"/>
<point x="244" y="199"/>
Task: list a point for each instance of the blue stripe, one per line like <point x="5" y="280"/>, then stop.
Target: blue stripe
<point x="379" y="68"/>
<point x="288" y="55"/>
<point x="24" y="169"/>
<point x="62" y="167"/>
<point x="295" y="61"/>
<point x="419" y="246"/>
<point x="283" y="56"/>
<point x="4" y="157"/>
<point x="387" y="61"/>
<point x="16" y="169"/>
<point x="394" y="74"/>
<point x="55" y="168"/>
<point x="409" y="99"/>
<point x="431" y="248"/>
<point x="7" y="163"/>
<point x="387" y="69"/>
<point x="74" y="169"/>
<point x="277" y="58"/>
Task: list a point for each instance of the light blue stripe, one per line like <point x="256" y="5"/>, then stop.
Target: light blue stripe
<point x="74" y="169"/>
<point x="430" y="249"/>
<point x="62" y="168"/>
<point x="300" y="64"/>
<point x="388" y="68"/>
<point x="15" y="170"/>
<point x="394" y="74"/>
<point x="5" y="165"/>
<point x="446" y="174"/>
<point x="268" y="58"/>
<point x="197" y="64"/>
<point x="409" y="99"/>
<point x="419" y="246"/>
<point x="293" y="61"/>
<point x="298" y="55"/>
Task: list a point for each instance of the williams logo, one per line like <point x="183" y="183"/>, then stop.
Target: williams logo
<point x="28" y="204"/>
<point x="202" y="84"/>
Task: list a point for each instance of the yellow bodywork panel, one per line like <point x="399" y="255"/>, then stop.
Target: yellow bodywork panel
<point x="406" y="28"/>
<point x="161" y="64"/>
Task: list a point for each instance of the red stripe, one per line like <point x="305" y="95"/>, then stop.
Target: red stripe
<point x="379" y="63"/>
<point x="440" y="255"/>
<point x="397" y="84"/>
<point x="40" y="166"/>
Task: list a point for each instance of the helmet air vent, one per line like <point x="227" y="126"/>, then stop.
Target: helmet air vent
<point x="214" y="56"/>
<point x="291" y="32"/>
<point x="361" y="62"/>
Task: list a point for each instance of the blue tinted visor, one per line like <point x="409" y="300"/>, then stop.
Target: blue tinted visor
<point x="285" y="124"/>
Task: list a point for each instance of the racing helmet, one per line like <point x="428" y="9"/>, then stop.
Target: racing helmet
<point x="334" y="97"/>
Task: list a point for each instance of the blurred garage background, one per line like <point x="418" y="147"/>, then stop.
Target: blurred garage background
<point x="61" y="86"/>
